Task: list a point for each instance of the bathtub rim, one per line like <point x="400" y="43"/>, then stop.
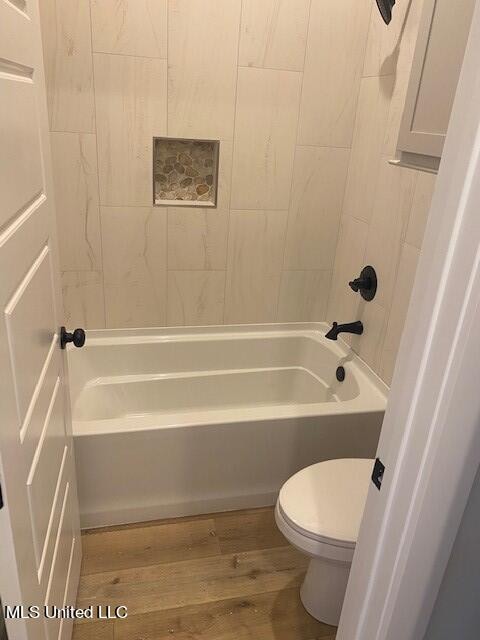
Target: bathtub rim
<point x="372" y="388"/>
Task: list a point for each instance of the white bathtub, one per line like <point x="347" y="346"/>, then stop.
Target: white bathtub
<point x="173" y="422"/>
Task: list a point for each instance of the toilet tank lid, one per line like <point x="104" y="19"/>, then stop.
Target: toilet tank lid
<point x="327" y="499"/>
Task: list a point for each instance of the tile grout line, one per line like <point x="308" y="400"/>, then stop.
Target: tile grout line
<point x="98" y="166"/>
<point x="167" y="266"/>
<point x="254" y="66"/>
<point x="231" y="167"/>
<point x="388" y="307"/>
<point x="218" y="211"/>
<point x="287" y="226"/>
<point x="369" y="30"/>
<point x="379" y="161"/>
<point x="87" y="133"/>
<point x="303" y="70"/>
<point x="221" y="270"/>
<point x="337" y="239"/>
<point x="321" y="146"/>
<point x="127" y="55"/>
<point x="342" y="210"/>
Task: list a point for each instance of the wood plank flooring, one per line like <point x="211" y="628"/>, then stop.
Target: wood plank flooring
<point x="226" y="576"/>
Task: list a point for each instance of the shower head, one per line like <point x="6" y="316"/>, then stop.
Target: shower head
<point x="385" y="7"/>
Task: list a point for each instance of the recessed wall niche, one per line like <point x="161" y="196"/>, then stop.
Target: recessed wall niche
<point x="185" y="172"/>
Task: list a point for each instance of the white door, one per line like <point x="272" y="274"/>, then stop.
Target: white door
<point x="40" y="547"/>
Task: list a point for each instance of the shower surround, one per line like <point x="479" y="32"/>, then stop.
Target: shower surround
<point x="305" y="98"/>
<point x="260" y="77"/>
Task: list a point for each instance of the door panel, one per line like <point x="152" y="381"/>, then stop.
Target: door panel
<point x="53" y="525"/>
<point x="29" y="342"/>
<point x="35" y="420"/>
<point x="46" y="470"/>
<point x="39" y="525"/>
<point x="15" y="36"/>
<point x="21" y="172"/>
<point x="57" y="583"/>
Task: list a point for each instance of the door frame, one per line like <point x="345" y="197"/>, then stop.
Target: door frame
<point x="430" y="441"/>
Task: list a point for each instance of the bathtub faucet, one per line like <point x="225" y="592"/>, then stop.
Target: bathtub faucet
<point x="351" y="327"/>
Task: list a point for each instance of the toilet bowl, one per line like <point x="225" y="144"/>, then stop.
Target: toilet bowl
<point x="319" y="510"/>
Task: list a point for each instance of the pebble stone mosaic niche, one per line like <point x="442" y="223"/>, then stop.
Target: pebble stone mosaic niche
<point x="185" y="172"/>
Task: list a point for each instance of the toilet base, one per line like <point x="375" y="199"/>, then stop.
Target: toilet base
<point x="323" y="590"/>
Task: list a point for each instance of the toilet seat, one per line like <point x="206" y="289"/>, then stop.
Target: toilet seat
<point x="312" y="547"/>
<point x="322" y="506"/>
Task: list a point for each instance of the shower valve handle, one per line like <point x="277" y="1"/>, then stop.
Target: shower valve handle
<point x="77" y="337"/>
<point x="366" y="284"/>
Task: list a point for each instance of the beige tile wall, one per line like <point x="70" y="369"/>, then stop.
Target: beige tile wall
<point x="385" y="207"/>
<point x="305" y="97"/>
<point x="276" y="81"/>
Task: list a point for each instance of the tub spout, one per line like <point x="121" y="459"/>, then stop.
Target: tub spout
<point x="351" y="327"/>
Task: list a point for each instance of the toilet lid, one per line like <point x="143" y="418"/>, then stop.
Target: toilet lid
<point x="326" y="500"/>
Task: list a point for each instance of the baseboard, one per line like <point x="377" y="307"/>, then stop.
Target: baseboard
<point x="92" y="520"/>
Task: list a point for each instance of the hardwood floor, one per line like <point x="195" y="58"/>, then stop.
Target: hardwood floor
<point x="226" y="576"/>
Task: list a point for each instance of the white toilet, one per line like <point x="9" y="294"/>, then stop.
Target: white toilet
<point x="319" y="511"/>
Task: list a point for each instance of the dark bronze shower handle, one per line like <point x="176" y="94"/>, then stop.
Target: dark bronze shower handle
<point x="366" y="284"/>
